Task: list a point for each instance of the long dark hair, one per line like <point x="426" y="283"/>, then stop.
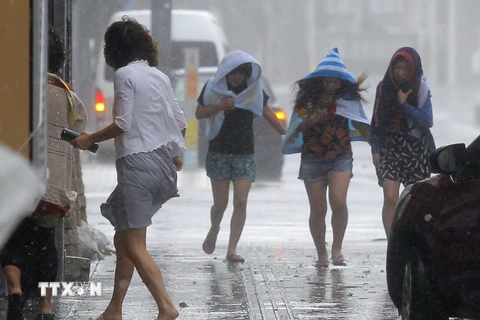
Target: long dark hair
<point x="311" y="89"/>
<point x="128" y="40"/>
<point x="56" y="50"/>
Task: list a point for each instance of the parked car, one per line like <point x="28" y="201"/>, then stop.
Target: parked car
<point x="433" y="255"/>
<point x="267" y="141"/>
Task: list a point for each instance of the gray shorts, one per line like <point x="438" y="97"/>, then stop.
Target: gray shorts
<point x="146" y="181"/>
<point x="230" y="167"/>
<point x="313" y="168"/>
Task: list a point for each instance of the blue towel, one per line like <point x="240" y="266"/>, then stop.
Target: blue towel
<point x="216" y="89"/>
<point x="350" y="109"/>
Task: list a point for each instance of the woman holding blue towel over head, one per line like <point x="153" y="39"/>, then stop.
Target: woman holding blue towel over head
<point x="401" y="138"/>
<point x="329" y="99"/>
<point x="230" y="101"/>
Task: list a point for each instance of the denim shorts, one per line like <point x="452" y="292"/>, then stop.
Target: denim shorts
<point x="313" y="168"/>
<point x="230" y="167"/>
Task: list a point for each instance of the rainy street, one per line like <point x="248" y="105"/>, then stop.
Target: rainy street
<point x="278" y="279"/>
<point x="222" y="63"/>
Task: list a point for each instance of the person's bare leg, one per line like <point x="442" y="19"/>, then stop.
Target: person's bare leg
<point x="147" y="268"/>
<point x="12" y="274"/>
<point x="241" y="188"/>
<point x="45" y="303"/>
<point x="220" y="202"/>
<point x="338" y="183"/>
<point x="316" y="191"/>
<point x="391" y="191"/>
<point x="123" y="275"/>
<point x="16" y="301"/>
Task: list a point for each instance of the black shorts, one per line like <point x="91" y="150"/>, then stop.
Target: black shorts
<point x="404" y="159"/>
<point x="32" y="249"/>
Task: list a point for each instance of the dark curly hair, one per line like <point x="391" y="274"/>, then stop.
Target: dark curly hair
<point x="56" y="50"/>
<point x="127" y="41"/>
<point x="312" y="89"/>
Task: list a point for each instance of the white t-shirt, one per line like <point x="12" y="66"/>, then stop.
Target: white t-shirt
<point x="146" y="109"/>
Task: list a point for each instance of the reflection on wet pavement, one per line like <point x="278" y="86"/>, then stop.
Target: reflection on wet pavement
<point x="278" y="280"/>
<point x="282" y="283"/>
<point x="227" y="293"/>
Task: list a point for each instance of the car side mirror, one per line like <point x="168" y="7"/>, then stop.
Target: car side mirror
<point x="449" y="159"/>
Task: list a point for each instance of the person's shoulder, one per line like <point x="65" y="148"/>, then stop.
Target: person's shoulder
<point x="77" y="98"/>
<point x="161" y="74"/>
<point x="424" y="82"/>
<point x="379" y="87"/>
<point x="55" y="81"/>
<point x="133" y="67"/>
<point x="123" y="72"/>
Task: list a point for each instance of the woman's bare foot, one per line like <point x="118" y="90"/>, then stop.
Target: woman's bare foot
<point x="169" y="314"/>
<point x="108" y="316"/>
<point x="322" y="261"/>
<point x="233" y="257"/>
<point x="208" y="245"/>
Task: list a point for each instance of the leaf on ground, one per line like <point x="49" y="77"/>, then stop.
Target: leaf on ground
<point x="183" y="305"/>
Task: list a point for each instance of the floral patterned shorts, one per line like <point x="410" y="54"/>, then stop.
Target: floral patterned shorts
<point x="230" y="166"/>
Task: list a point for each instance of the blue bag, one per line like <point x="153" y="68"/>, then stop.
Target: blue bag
<point x="293" y="144"/>
<point x="355" y="134"/>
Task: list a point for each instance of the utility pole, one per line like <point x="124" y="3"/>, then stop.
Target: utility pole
<point x="161" y="18"/>
<point x="432" y="40"/>
<point x="311" y="35"/>
<point x="60" y="16"/>
<point x="451" y="42"/>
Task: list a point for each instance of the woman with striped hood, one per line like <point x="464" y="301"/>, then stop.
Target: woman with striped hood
<point x="400" y="137"/>
<point x="329" y="99"/>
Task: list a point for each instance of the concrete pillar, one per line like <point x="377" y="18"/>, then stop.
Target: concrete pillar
<point x="162" y="31"/>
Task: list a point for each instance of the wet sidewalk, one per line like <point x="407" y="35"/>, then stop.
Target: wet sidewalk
<point x="278" y="280"/>
<point x="275" y="282"/>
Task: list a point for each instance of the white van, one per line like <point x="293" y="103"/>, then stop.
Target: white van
<point x="190" y="29"/>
